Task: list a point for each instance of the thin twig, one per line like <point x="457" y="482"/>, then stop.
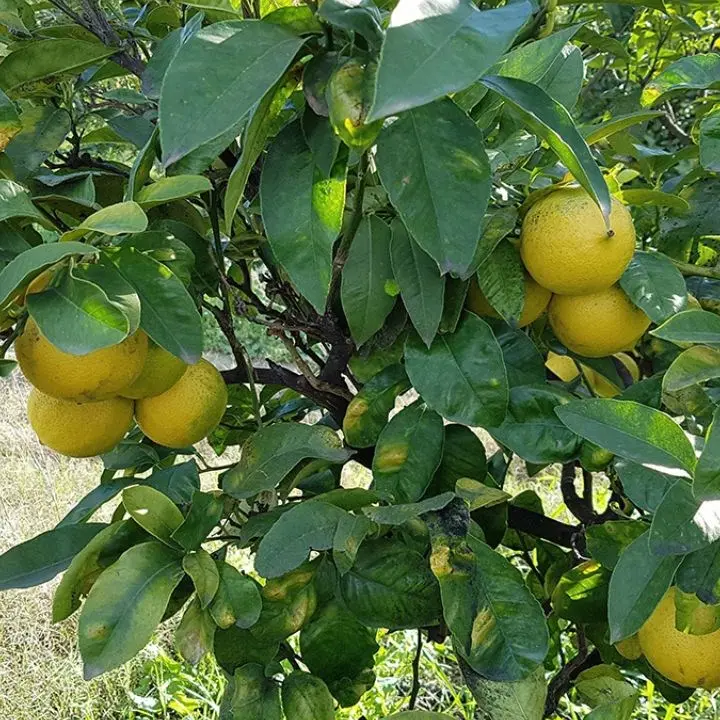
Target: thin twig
<point x="689" y="270"/>
<point x="414" y="692"/>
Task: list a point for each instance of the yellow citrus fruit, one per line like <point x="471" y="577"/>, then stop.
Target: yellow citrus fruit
<point x="536" y="300"/>
<point x="565" y="245"/>
<point x="597" y="324"/>
<point x="95" y="376"/>
<point x="188" y="411"/>
<point x="629" y="647"/>
<point x="688" y="660"/>
<point x="160" y="372"/>
<point x="79" y="429"/>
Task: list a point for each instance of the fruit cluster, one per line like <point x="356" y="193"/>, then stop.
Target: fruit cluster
<point x="573" y="264"/>
<point x="83" y="405"/>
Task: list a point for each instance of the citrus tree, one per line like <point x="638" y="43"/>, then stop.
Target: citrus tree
<point x="453" y="216"/>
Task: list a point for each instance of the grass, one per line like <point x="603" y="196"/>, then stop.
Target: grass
<point x="40" y="669"/>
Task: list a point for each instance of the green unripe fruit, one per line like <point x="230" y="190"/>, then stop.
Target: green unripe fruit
<point x="348" y="98"/>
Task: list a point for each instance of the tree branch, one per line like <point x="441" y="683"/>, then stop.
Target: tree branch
<point x="689" y="270"/>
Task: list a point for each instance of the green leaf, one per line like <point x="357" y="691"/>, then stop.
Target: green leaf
<point x="308" y="526"/>
<point x="679" y="229"/>
<point x="253" y="143"/>
<point x="41" y="558"/>
<point x="44" y="128"/>
<point x="463" y="456"/>
<point x="368" y="411"/>
<point x="693" y="366"/>
<point x="153" y="511"/>
<point x="501" y="279"/>
<point x="443" y="209"/>
<point x="523" y="362"/>
<point x="497" y="625"/>
<point x="169" y="315"/>
<point x="303" y="217"/>
<point x="237" y="600"/>
<point x="336" y="647"/>
<point x="532" y="428"/>
<point x="581" y="593"/>
<point x="102" y="551"/>
<point x="204" y="514"/>
<point x="10" y="123"/>
<point x="652" y="198"/>
<point x="692" y="326"/>
<point x="306" y="697"/>
<point x="168" y="189"/>
<point x="644" y="487"/>
<point x="26" y="266"/>
<point x="204" y="573"/>
<point x="391" y="586"/>
<point x="655" y="285"/>
<point x="706" y="484"/>
<point x="15" y="203"/>
<point x="638" y="582"/>
<point x="178" y="482"/>
<point x="118" y="219"/>
<point x="521" y="700"/>
<point x="407" y="454"/>
<point x="77" y="316"/>
<point x="422" y="288"/>
<point x="254" y="696"/>
<point x="43" y="59"/>
<point x="216" y="78"/>
<point x="606" y="541"/>
<point x="431" y="51"/>
<point x="125" y="606"/>
<point x="696" y="72"/>
<point x="595" y="133"/>
<point x="272" y="452"/>
<point x="349" y="535"/>
<point x="699" y="573"/>
<point x="474" y="388"/>
<point x="682" y="523"/>
<point x="709" y="141"/>
<point x="195" y="634"/>
<point x="364" y="277"/>
<point x="551" y="121"/>
<point x="604" y="689"/>
<point x="418" y="715"/>
<point x="633" y="431"/>
<point x="400" y="514"/>
<point x="361" y="16"/>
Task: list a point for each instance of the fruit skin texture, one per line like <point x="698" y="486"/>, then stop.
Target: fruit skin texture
<point x="689" y="660"/>
<point x="536" y="300"/>
<point x="565" y="246"/>
<point x="79" y="429"/>
<point x="599" y="324"/>
<point x="629" y="648"/>
<point x="160" y="372"/>
<point x="96" y="376"/>
<point x="188" y="411"/>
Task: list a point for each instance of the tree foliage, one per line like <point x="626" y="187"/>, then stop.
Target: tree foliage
<point x="339" y="173"/>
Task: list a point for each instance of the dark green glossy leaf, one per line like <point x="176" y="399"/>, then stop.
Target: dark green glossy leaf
<point x="638" y="582"/>
<point x="551" y="121"/>
<point x="523" y="361"/>
<point x="532" y="428"/>
<point x="706" y="484"/>
<point x="365" y="275"/>
<point x="216" y="78"/>
<point x="683" y="524"/>
<point x="655" y="285"/>
<point x="15" y="203"/>
<point x="368" y="411"/>
<point x="41" y="558"/>
<point x="168" y="315"/>
<point x="153" y="511"/>
<point x="391" y="586"/>
<point x="125" y="606"/>
<point x="581" y="593"/>
<point x="693" y="326"/>
<point x="195" y="634"/>
<point x="699" y="573"/>
<point x="303" y="217"/>
<point x="361" y="16"/>
<point x="607" y="540"/>
<point x="474" y="389"/>
<point x="632" y="431"/>
<point x="254" y="696"/>
<point x="643" y="486"/>
<point x="271" y="453"/>
<point x="308" y="526"/>
<point x="696" y="72"/>
<point x="422" y="288"/>
<point x="205" y="575"/>
<point x="237" y="600"/>
<point x="178" y="482"/>
<point x="463" y="456"/>
<point x="204" y="514"/>
<point x="431" y="51"/>
<point x="501" y="279"/>
<point x="349" y="535"/>
<point x="693" y="366"/>
<point x="497" y="625"/>
<point x="407" y="454"/>
<point x="306" y="697"/>
<point x="709" y="141"/>
<point x="443" y="209"/>
<point x="399" y="514"/>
